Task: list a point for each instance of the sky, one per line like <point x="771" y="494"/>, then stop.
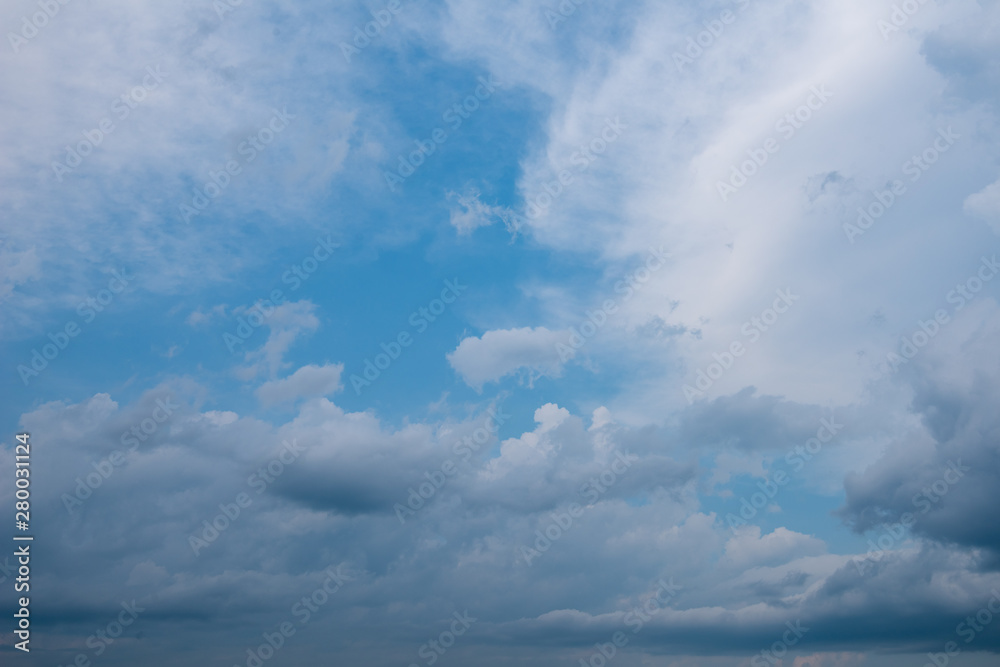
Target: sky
<point x="646" y="333"/>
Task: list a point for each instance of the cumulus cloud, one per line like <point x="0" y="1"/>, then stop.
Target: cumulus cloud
<point x="942" y="475"/>
<point x="502" y="352"/>
<point x="617" y="148"/>
<point x="307" y="382"/>
<point x="286" y="323"/>
<point x="334" y="504"/>
<point x="750" y="549"/>
<point x="688" y="127"/>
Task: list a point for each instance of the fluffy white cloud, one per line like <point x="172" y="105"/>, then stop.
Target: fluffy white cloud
<point x="645" y="142"/>
<point x="501" y="352"/>
<point x="285" y="323"/>
<point x="687" y="127"/>
<point x="307" y="382"/>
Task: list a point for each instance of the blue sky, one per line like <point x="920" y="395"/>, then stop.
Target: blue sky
<point x="745" y="247"/>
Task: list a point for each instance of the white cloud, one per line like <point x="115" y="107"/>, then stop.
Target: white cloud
<point x="501" y="352"/>
<point x="471" y="213"/>
<point x="656" y="184"/>
<point x="198" y="317"/>
<point x="214" y="92"/>
<point x="307" y="382"/>
<point x="286" y="323"/>
<point x="985" y="205"/>
<point x="729" y="464"/>
<point x="17" y="267"/>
